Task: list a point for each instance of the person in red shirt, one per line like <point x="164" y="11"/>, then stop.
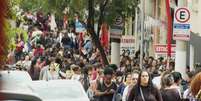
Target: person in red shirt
<point x="38" y="51"/>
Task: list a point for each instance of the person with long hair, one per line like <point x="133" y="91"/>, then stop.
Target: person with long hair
<point x="195" y="86"/>
<point x="169" y="93"/>
<point x="131" y="80"/>
<point x="187" y="93"/>
<point x="144" y="90"/>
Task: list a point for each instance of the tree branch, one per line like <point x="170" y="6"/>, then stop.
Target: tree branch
<point x="95" y="38"/>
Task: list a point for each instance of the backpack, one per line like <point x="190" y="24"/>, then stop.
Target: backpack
<point x="118" y="94"/>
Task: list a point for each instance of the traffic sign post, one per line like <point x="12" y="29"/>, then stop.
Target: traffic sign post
<point x="181" y="27"/>
<point x="117" y="27"/>
<point x="181" y="33"/>
<point x="115" y="34"/>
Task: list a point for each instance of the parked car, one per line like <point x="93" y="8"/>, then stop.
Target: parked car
<point x="14" y="86"/>
<point x="14" y="80"/>
<point x="6" y="95"/>
<point x="59" y="90"/>
<point x="18" y="86"/>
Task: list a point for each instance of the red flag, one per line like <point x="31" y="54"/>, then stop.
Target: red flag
<point x="104" y="35"/>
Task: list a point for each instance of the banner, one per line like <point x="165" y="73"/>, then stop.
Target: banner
<point x="127" y="45"/>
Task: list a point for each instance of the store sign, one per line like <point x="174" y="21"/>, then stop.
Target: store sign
<point x="117" y="27"/>
<point x="162" y="49"/>
<point x="127" y="45"/>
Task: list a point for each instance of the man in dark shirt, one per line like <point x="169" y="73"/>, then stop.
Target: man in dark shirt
<point x="106" y="88"/>
<point x="66" y="41"/>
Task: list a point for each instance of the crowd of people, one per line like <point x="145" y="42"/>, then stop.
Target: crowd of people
<point x="54" y="53"/>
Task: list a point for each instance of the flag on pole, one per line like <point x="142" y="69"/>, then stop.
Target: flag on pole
<point x="104" y="35"/>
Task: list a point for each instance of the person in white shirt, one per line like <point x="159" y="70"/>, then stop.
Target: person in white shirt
<point x="76" y="72"/>
<point x="131" y="80"/>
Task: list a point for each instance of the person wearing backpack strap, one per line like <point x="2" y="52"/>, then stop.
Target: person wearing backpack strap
<point x="144" y="90"/>
<point x="106" y="89"/>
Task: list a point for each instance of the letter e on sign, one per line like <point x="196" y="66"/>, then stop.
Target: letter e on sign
<point x="182" y="15"/>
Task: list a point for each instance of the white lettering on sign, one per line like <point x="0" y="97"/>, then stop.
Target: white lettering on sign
<point x="127" y="40"/>
<point x="163" y="48"/>
<point x="127" y="45"/>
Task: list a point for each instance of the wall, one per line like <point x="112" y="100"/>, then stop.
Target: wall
<point x="195" y="9"/>
<point x="163" y="18"/>
<point x="195" y="41"/>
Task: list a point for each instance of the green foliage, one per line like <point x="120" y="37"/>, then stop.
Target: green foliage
<point x="13" y="8"/>
<point x="11" y="34"/>
<point x="125" y="8"/>
<point x="54" y="6"/>
<point x="113" y="8"/>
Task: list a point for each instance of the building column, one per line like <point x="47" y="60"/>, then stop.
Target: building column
<point x="136" y="30"/>
<point x="115" y="51"/>
<point x="192" y="57"/>
<point x="180" y="58"/>
<point x="180" y="61"/>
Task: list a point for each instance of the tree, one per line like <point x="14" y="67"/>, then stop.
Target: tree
<point x="106" y="11"/>
<point x="110" y="9"/>
<point x="54" y="6"/>
<point x="90" y="27"/>
<point x="3" y="42"/>
<point x="101" y="17"/>
<point x="13" y="8"/>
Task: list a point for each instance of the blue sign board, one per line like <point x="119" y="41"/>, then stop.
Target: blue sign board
<point x="182" y="26"/>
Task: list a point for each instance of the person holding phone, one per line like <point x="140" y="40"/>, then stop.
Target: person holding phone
<point x="106" y="89"/>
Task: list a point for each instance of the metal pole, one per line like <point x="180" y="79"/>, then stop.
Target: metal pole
<point x="136" y="31"/>
<point x="142" y="34"/>
<point x="169" y="34"/>
<point x="180" y="58"/>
